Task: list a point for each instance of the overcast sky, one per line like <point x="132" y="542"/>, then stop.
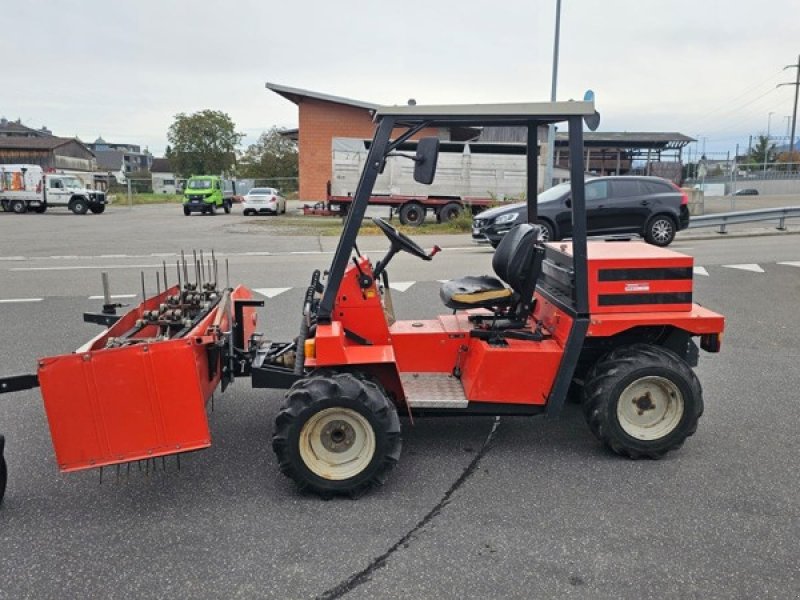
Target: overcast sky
<point x="704" y="68"/>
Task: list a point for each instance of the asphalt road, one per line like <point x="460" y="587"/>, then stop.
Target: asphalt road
<point x="518" y="508"/>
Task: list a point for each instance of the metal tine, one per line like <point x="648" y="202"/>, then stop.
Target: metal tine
<point x="164" y="267"/>
<point x="185" y="268"/>
<point x="118" y="468"/>
<point x="210" y="275"/>
<point x="144" y="293"/>
<point x="227" y="274"/>
<point x="199" y="271"/>
<point x="101" y="475"/>
<point x="196" y="269"/>
<point x="203" y="266"/>
<point x="158" y="283"/>
<point x="178" y="269"/>
<point x="214" y="260"/>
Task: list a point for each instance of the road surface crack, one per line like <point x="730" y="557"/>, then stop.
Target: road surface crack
<point x="381" y="561"/>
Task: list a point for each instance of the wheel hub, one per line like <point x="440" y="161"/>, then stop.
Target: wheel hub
<point x="337" y="436"/>
<point x="650" y="408"/>
<point x="337" y="443"/>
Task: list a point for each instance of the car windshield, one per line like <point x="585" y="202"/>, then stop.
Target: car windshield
<point x="199" y="184"/>
<point x="258" y="191"/>
<point x="72" y="183"/>
<point x="554" y="192"/>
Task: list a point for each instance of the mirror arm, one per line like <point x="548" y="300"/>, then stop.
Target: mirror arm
<point x="409" y="132"/>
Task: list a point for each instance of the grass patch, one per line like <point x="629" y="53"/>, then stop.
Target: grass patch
<point x="122" y="199"/>
<point x="332" y="226"/>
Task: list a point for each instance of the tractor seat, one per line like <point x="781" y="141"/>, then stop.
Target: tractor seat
<point x="513" y="263"/>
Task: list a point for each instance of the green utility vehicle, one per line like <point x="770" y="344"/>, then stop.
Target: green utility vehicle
<point x="206" y="193"/>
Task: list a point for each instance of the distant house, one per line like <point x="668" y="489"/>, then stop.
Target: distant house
<point x="164" y="181"/>
<point x="17" y="129"/>
<point x="49" y="152"/>
<point x="120" y="159"/>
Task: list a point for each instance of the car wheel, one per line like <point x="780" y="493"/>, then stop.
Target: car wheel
<point x="449" y="212"/>
<point x="660" y="231"/>
<point x="19" y="207"/>
<point x="97" y="208"/>
<point x="412" y="213"/>
<point x="227" y="207"/>
<point x="79" y="206"/>
<point x="546" y="233"/>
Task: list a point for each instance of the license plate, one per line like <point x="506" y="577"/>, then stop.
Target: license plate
<point x="475" y="231"/>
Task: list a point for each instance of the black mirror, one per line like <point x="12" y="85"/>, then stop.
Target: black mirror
<point x="425" y="160"/>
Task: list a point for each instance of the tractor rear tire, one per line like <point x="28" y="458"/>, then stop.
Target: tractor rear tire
<point x="226" y="205"/>
<point x="336" y="435"/>
<point x="186" y="212"/>
<point x="642" y="401"/>
<point x="412" y="213"/>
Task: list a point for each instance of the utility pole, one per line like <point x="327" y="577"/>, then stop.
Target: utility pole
<point x="796" y="85"/>
<point x="551" y="129"/>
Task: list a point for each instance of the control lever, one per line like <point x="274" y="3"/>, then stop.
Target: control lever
<point x="434" y="252"/>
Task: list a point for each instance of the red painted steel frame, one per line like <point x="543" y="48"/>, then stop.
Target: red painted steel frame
<point x="109" y="406"/>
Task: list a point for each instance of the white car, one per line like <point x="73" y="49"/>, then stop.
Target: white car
<point x="263" y="200"/>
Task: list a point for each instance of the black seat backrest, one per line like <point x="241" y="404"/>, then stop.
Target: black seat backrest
<point x="513" y="257"/>
<point x="518" y="262"/>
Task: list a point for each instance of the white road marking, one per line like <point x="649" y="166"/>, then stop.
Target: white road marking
<point x="14" y="300"/>
<point x="700" y="271"/>
<point x="271" y="292"/>
<point x="113" y="296"/>
<point x="83" y="267"/>
<point x="746" y="267"/>
<point x="12" y="258"/>
<point x="790" y="263"/>
<point x="401" y="286"/>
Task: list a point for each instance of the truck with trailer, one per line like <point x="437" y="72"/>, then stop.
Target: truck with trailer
<point x="470" y="176"/>
<point x="617" y="321"/>
<point x="29" y="188"/>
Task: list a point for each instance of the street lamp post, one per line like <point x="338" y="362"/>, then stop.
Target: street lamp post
<point x="766" y="149"/>
<point x="551" y="129"/>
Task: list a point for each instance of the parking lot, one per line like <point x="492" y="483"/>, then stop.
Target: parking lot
<point x="480" y="507"/>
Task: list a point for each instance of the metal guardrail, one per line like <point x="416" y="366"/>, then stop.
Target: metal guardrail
<point x="722" y="220"/>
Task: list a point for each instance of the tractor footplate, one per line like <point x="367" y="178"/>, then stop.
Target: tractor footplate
<point x="433" y="390"/>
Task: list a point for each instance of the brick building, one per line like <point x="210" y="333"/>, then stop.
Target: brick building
<point x="323" y="117"/>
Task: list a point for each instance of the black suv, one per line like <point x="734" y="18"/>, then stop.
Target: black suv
<point x="651" y="207"/>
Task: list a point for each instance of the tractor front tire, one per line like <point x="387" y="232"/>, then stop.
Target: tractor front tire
<point x="642" y="401"/>
<point x="97" y="209"/>
<point x="336" y="434"/>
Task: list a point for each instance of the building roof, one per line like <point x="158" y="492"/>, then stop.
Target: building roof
<point x="36" y="143"/>
<point x="161" y="165"/>
<point x="296" y="95"/>
<point x="626" y="139"/>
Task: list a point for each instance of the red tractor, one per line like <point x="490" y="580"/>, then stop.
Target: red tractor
<point x="615" y="320"/>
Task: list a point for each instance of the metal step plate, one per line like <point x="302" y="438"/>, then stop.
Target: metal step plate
<point x="433" y="390"/>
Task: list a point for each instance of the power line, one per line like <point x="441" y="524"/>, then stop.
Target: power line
<point x="796" y="85"/>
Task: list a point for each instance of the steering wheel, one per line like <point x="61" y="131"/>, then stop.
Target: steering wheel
<point x="400" y="240"/>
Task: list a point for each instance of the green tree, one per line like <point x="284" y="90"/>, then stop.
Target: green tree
<point x="272" y="156"/>
<point x="761" y="151"/>
<point x="203" y="143"/>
